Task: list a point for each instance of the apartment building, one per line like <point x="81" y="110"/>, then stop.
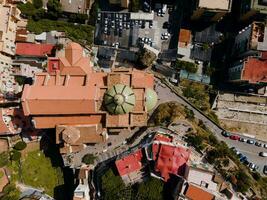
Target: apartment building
<point x="211" y="10"/>
<point x="9" y="16"/>
<point x="250" y="41"/>
<point x="250" y="9"/>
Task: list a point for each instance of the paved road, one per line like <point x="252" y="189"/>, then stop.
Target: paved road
<point x="251" y="151"/>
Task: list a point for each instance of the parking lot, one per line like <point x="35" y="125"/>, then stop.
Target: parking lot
<point x="126" y="30"/>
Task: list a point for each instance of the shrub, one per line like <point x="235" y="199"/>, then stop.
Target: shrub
<point x="15" y="155"/>
<point x="188" y="66"/>
<point x="4" y="157"/>
<point x="88" y="159"/>
<point x="189" y="113"/>
<point x="195" y="140"/>
<point x="243" y="181"/>
<point x="20" y="145"/>
<point x="10" y="192"/>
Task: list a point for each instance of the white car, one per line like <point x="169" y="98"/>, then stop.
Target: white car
<point x="252" y="166"/>
<point x="263" y="154"/>
<point x="164" y="37"/>
<point x="265" y="146"/>
<point x="243" y="139"/>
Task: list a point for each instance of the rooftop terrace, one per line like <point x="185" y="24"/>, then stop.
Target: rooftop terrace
<point x="215" y="4"/>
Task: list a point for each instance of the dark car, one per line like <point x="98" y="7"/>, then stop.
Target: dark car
<point x="265" y="169"/>
<point x="226" y="134"/>
<point x="166" y="25"/>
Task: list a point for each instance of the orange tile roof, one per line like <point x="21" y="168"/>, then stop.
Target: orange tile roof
<point x="52" y="121"/>
<point x="29" y="49"/>
<point x="197" y="193"/>
<point x="59" y="100"/>
<point x="255" y="70"/>
<point x="3" y="126"/>
<point x="185" y="36"/>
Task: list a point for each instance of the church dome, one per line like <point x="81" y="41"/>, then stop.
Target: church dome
<point x="151" y="99"/>
<point x="119" y="99"/>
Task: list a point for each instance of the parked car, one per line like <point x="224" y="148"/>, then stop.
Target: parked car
<point x="246" y="162"/>
<point x="250" y="141"/>
<point x="265" y="146"/>
<point x="243" y="139"/>
<point x="258" y="144"/>
<point x="263" y="154"/>
<point x="234" y="137"/>
<point x="252" y="166"/>
<point x="226" y="134"/>
<point x="265" y="169"/>
<point x="243" y="158"/>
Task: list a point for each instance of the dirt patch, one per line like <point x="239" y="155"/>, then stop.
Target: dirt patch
<point x="3" y="145"/>
<point x="32" y="146"/>
<point x="257" y="130"/>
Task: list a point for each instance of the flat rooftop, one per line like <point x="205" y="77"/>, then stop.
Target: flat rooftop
<point x="215" y="4"/>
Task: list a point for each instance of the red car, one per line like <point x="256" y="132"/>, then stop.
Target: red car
<point x="234" y="137"/>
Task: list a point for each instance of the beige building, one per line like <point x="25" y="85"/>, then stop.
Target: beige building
<point x="9" y="16"/>
<point x="211" y="10"/>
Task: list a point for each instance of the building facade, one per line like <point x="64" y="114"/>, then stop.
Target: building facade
<point x="9" y="16"/>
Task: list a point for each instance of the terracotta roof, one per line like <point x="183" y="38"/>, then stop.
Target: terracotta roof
<point x="130" y="163"/>
<point x="59" y="100"/>
<point x="52" y="121"/>
<point x="170" y="160"/>
<point x="3" y="127"/>
<point x="264" y="55"/>
<point x="184" y="36"/>
<point x="38" y="50"/>
<point x="197" y="193"/>
<point x="88" y="133"/>
<point x="255" y="70"/>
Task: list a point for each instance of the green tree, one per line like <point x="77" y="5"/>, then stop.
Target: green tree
<point x="135" y="5"/>
<point x="53" y="9"/>
<point x="20" y="145"/>
<point x="150" y="189"/>
<point x="27" y="9"/>
<point x="38" y="4"/>
<point x="93" y="13"/>
<point x="113" y="187"/>
<point x="189" y="113"/>
<point x="15" y="155"/>
<point x="88" y="159"/>
<point x="243" y="181"/>
<point x="145" y="58"/>
<point x="4" y="158"/>
<point x="10" y="192"/>
<point x="195" y="140"/>
<point x="188" y="66"/>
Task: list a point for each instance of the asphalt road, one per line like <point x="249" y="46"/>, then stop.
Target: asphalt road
<point x="249" y="150"/>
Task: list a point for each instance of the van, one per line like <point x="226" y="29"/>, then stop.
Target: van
<point x="263" y="154"/>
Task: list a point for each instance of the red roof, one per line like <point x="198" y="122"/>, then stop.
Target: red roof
<point x="162" y="138"/>
<point x="255" y="70"/>
<point x="130" y="163"/>
<point x="264" y="55"/>
<point x="29" y="49"/>
<point x="53" y="65"/>
<point x="170" y="160"/>
<point x="196" y="193"/>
